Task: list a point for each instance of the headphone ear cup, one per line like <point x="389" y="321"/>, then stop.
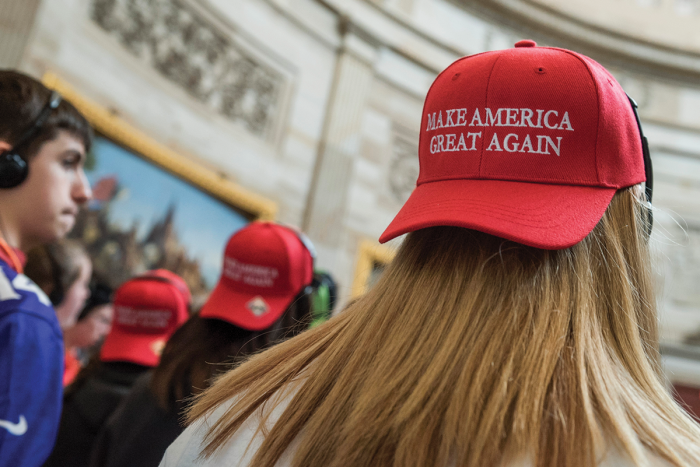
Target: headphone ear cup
<point x="13" y="169"/>
<point x="323" y="298"/>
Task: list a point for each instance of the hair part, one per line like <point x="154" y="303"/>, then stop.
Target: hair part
<point x="22" y="99"/>
<point x="474" y="350"/>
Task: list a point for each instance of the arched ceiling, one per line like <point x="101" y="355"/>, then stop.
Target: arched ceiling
<point x="668" y="23"/>
<point x="654" y="36"/>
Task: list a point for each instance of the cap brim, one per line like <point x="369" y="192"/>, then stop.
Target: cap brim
<point x="142" y="349"/>
<point x="232" y="306"/>
<point x="550" y="217"/>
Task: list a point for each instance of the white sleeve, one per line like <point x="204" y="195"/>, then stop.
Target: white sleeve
<point x="238" y="451"/>
<point x="185" y="450"/>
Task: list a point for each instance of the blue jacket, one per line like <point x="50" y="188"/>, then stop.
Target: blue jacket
<point x="31" y="371"/>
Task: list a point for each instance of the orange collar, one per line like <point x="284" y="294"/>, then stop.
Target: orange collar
<point x="9" y="252"/>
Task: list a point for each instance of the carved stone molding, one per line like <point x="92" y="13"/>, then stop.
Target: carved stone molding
<point x="195" y="55"/>
<point x="16" y="29"/>
<point x="404" y="166"/>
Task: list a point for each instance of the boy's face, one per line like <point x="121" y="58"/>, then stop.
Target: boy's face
<point x="46" y="203"/>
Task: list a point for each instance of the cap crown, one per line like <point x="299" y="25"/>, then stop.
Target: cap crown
<point x="533" y="114"/>
<point x="175" y="280"/>
<point x="148" y="306"/>
<point x="266" y="259"/>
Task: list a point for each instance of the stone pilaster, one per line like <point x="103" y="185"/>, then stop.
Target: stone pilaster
<point x="17" y="21"/>
<point x="340" y="146"/>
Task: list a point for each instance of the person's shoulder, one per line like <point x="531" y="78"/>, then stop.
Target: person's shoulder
<point x="21" y="300"/>
<point x="238" y="451"/>
<point x="612" y="458"/>
<point x="186" y="449"/>
<point x="140" y="407"/>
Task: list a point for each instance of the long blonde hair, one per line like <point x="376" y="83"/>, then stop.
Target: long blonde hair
<point x="473" y="350"/>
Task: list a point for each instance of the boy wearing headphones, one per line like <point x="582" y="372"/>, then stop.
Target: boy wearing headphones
<point x="43" y="142"/>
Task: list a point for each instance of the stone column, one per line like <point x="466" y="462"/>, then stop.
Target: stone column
<point x="340" y="146"/>
<point x="15" y="29"/>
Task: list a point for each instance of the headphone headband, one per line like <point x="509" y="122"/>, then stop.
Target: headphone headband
<point x="53" y="102"/>
<point x="648" y="169"/>
<point x="13" y="167"/>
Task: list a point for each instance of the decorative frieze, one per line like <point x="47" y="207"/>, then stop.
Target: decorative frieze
<point x="197" y="56"/>
<point x="404" y="166"/>
<point x="17" y="20"/>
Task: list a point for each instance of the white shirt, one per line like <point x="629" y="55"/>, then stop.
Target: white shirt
<point x="241" y="448"/>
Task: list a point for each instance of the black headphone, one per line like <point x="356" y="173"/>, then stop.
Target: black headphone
<point x="323" y="290"/>
<point x="648" y="170"/>
<point x="325" y="295"/>
<point x="13" y="168"/>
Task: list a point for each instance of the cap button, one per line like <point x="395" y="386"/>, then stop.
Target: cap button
<point x="526" y="43"/>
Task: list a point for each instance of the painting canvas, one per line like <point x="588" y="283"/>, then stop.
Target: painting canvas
<point x="143" y="217"/>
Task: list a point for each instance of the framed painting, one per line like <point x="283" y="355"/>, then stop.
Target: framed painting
<point x="153" y="208"/>
<point x="372" y="259"/>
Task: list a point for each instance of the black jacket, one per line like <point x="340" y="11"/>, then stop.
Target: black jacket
<point x="138" y="432"/>
<point x="86" y="409"/>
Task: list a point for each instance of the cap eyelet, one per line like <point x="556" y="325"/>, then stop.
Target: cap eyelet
<point x="456" y="75"/>
<point x="540" y="70"/>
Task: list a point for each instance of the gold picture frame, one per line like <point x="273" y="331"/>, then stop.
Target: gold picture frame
<point x="121" y="132"/>
<point x="370" y="256"/>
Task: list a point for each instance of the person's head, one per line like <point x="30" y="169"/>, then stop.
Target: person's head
<point x="266" y="267"/>
<point x="43" y="141"/>
<point x="203" y="348"/>
<point x="94" y="321"/>
<point x="62" y="270"/>
<point x="518" y="319"/>
<point x="147" y="311"/>
<point x="262" y="297"/>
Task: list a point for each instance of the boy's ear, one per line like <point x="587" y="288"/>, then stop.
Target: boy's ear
<point x="4" y="146"/>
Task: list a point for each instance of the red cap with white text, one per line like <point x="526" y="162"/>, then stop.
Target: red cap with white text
<point x="528" y="144"/>
<point x="147" y="310"/>
<point x="265" y="267"/>
<point x="176" y="280"/>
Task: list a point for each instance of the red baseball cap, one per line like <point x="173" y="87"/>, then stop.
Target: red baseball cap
<point x="147" y="310"/>
<point x="265" y="267"/>
<point x="176" y="280"/>
<point x="529" y="144"/>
